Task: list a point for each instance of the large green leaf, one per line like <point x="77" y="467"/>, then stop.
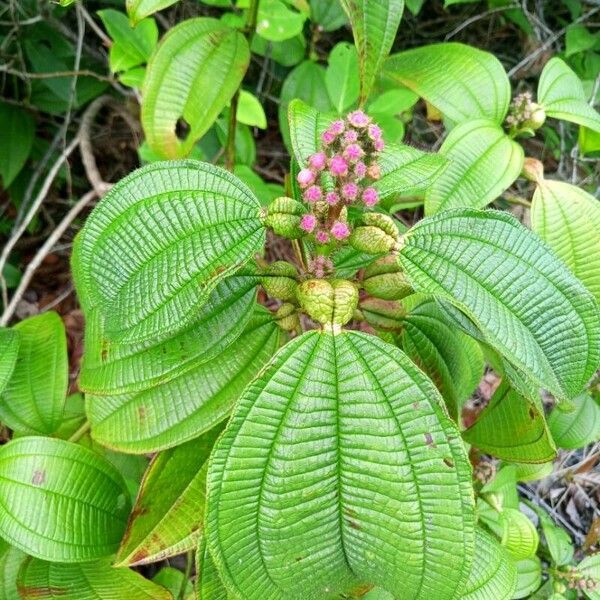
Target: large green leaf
<point x="208" y="584"/>
<point x="96" y="580"/>
<point x="568" y="219"/>
<point x="578" y="427"/>
<point x="524" y="300"/>
<point x="11" y="559"/>
<point x="9" y="351"/>
<point x="462" y="82"/>
<point x="18" y="133"/>
<point x="483" y="162"/>
<point x="155" y="247"/>
<point x="512" y="428"/>
<point x="169" y="510"/>
<point x="59" y="501"/>
<point x="189" y="404"/>
<point x="138" y="9"/>
<point x="193" y="74"/>
<point x="34" y="398"/>
<point x="113" y="368"/>
<point x="493" y="574"/>
<point x="374" y="25"/>
<point x="452" y="360"/>
<point x="340" y="468"/>
<point x="561" y="94"/>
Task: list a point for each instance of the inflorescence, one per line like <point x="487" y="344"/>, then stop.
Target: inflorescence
<point x="340" y="174"/>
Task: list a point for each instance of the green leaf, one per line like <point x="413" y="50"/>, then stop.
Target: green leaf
<point x="328" y="15"/>
<point x="175" y="581"/>
<point x="34" y="398"/>
<point x="152" y="222"/>
<point x="561" y="94"/>
<point x="11" y="560"/>
<point x="138" y="9"/>
<point x="250" y="110"/>
<point x="60" y="501"/>
<point x="529" y="577"/>
<point x="493" y="574"/>
<point x="452" y="360"/>
<point x="568" y="219"/>
<point x="483" y="162"/>
<point x="462" y="82"/>
<point x="590" y="567"/>
<point x="341" y="76"/>
<point x="208" y="584"/>
<point x="9" y="347"/>
<point x="579" y="39"/>
<point x="132" y="46"/>
<point x="96" y="580"/>
<point x="18" y="133"/>
<point x="180" y="83"/>
<point x="385" y="500"/>
<point x="306" y="124"/>
<point x="393" y="102"/>
<point x="519" y="535"/>
<point x="112" y="368"/>
<point x="277" y="22"/>
<point x="512" y="428"/>
<point x="186" y="406"/>
<point x="578" y="427"/>
<point x="287" y="53"/>
<point x="557" y="539"/>
<point x="526" y="303"/>
<point x="374" y="25"/>
<point x="169" y="510"/>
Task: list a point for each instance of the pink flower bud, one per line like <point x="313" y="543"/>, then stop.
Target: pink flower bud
<point x="350" y="191"/>
<point x="375" y="132"/>
<point x="350" y="136"/>
<point x="308" y="222"/>
<point x="353" y="152"/>
<point x="340" y="231"/>
<point x="313" y="193"/>
<point x="374" y="172"/>
<point x="332" y="198"/>
<point x="337" y="127"/>
<point x="328" y="137"/>
<point x="379" y="145"/>
<point x="370" y="196"/>
<point x="360" y="169"/>
<point x="358" y="119"/>
<point x="318" y="161"/>
<point x="305" y="177"/>
<point x="322" y="237"/>
<point x="338" y="166"/>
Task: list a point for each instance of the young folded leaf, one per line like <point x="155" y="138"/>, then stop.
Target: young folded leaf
<point x="340" y="468"/>
<point x="158" y="243"/>
<point x="525" y="301"/>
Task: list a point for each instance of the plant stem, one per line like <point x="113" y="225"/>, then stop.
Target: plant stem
<point x="249" y="30"/>
<point x="80" y="432"/>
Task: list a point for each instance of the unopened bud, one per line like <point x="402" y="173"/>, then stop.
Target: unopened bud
<point x="377" y="235"/>
<point x="537" y="118"/>
<point x="385" y="279"/>
<point x="533" y="169"/>
<point x="386" y="315"/>
<point x="284" y="216"/>
<point x="279" y="280"/>
<point x="328" y="301"/>
<point x="287" y="318"/>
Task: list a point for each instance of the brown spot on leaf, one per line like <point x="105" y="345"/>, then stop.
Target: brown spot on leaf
<point x="449" y="462"/>
<point x="353" y="524"/>
<point x="531" y="413"/>
<point x="429" y="440"/>
<point x="31" y="593"/>
<point x="142" y="412"/>
<point x="39" y="477"/>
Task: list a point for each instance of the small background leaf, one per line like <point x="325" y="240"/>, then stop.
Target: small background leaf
<point x="341" y="76"/>
<point x="17" y="132"/>
<point x="138" y="9"/>
<point x="576" y="428"/>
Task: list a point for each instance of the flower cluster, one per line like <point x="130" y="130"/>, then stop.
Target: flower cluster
<point x="341" y="173"/>
<point x="525" y="113"/>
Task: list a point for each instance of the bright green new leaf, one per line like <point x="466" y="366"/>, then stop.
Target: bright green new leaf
<point x="393" y="102"/>
<point x="96" y="580"/>
<point x="462" y="82"/>
<point x="589" y="142"/>
<point x="138" y="9"/>
<point x="18" y="132"/>
<point x="512" y="428"/>
<point x="250" y="110"/>
<point x="576" y="428"/>
<point x="341" y="77"/>
<point x="208" y="584"/>
<point x="158" y="243"/>
<point x="34" y="398"/>
<point x="9" y="351"/>
<point x="132" y="46"/>
<point x="590" y="567"/>
<point x="169" y="511"/>
<point x="529" y="577"/>
<point x="277" y="21"/>
<point x="59" y="501"/>
<point x="525" y="302"/>
<point x="374" y="25"/>
<point x="483" y="162"/>
<point x="519" y="535"/>
<point x="567" y="218"/>
<point x="328" y="15"/>
<point x="189" y="404"/>
<point x="386" y="500"/>
<point x="493" y="574"/>
<point x="11" y="559"/>
<point x="112" y="368"/>
<point x="561" y="94"/>
<point x="179" y="88"/>
<point x="532" y="471"/>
